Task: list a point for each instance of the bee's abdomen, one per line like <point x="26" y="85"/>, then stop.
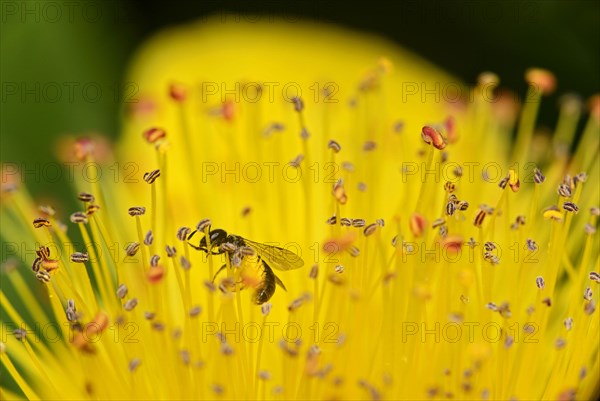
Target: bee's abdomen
<point x="266" y="289"/>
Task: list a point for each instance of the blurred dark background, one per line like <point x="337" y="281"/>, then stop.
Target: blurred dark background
<point x="63" y="62"/>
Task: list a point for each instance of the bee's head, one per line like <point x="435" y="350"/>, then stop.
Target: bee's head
<point x="217" y="237"/>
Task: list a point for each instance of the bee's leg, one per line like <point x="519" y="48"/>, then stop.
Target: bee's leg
<point x="279" y="282"/>
<point x="217" y="273"/>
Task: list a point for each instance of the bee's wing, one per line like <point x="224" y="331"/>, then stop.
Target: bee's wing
<point x="276" y="257"/>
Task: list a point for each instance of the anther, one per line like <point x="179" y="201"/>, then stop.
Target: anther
<point x="132" y="248"/>
<point x="266" y="308"/>
<point x="513" y="180"/>
<point x="432" y="137"/>
<point x="369" y="146"/>
<point x="79" y="257"/>
<point x="86" y="197"/>
<point x="417" y="224"/>
<point x="589" y="229"/>
<point x="183" y="233"/>
<point x="91" y="209"/>
<point x="443" y="230"/>
<point x="553" y="213"/>
<point x="79" y="217"/>
<point x="339" y="193"/>
<point x="151" y="176"/>
<point x="37" y="263"/>
<point x="589" y="307"/>
<point x="49" y="265"/>
<point x="339" y="269"/>
<point x="195" y="311"/>
<point x="541" y="79"/>
<point x="571" y="207"/>
<point x="560" y="343"/>
<point x="43" y="276"/>
<point x="568" y="323"/>
<point x="362" y="187"/>
<point x="136" y="211"/>
<point x="332" y="220"/>
<point x="438" y="222"/>
<point x="47" y="210"/>
<point x="547" y="301"/>
<point x="531" y="245"/>
<point x="564" y="190"/>
<point x="354" y="251"/>
<point x="587" y="294"/>
<point x="148" y="238"/>
<point x="171" y="251"/>
<point x="479" y="218"/>
<point x="41" y="222"/>
<point x="154" y="260"/>
<point x="314" y="272"/>
<point x="489" y="246"/>
<point x="203" y="224"/>
<point x="298" y="104"/>
<point x="122" y="291"/>
<point x="538" y="177"/>
<point x="130" y="304"/>
<point x="177" y="92"/>
<point x="154" y="134"/>
<point x="503" y="182"/>
<point x="295" y="162"/>
<point x="450" y="208"/>
<point x="20" y="334"/>
<point x="333" y="145"/>
<point x="595" y="211"/>
<point x="358" y="223"/>
<point x="344" y="221"/>
<point x="149" y="315"/>
<point x="185" y="263"/>
<point x="594" y="276"/>
<point x="539" y="281"/>
<point x="492" y="306"/>
<point x="449" y="187"/>
<point x="133" y="364"/>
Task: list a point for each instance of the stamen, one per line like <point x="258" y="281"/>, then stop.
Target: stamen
<point x="47" y="210"/>
<point x="151" y="176"/>
<point x="369" y="146"/>
<point x="587" y="294"/>
<point x="149" y="315"/>
<point x="41" y="222"/>
<point x="332" y="220"/>
<point x="538" y="177"/>
<point x="479" y="218"/>
<point x="43" y="276"/>
<point x="149" y="238"/>
<point x="154" y="260"/>
<point x="589" y="307"/>
<point x="91" y="209"/>
<point x="449" y="187"/>
<point x="134" y="364"/>
<point x="185" y="263"/>
<point x="171" y="251"/>
<point x="136" y="211"/>
<point x="130" y="304"/>
<point x="122" y="291"/>
<point x="568" y="323"/>
<point x="589" y="229"/>
<point x="154" y="134"/>
<point x="539" y="281"/>
<point x="531" y="245"/>
<point x="132" y="248"/>
<point x="333" y="145"/>
<point x="564" y="190"/>
<point x="571" y="207"/>
<point x="358" y="223"/>
<point x="450" y="208"/>
<point x="344" y="221"/>
<point x="339" y="269"/>
<point x="203" y="224"/>
<point x="417" y="224"/>
<point x="594" y="276"/>
<point x="195" y="311"/>
<point x="314" y="272"/>
<point x="86" y="197"/>
<point x="266" y="308"/>
<point x="438" y="222"/>
<point x="79" y="218"/>
<point x="79" y="257"/>
<point x="295" y="162"/>
<point x="432" y="137"/>
<point x="183" y="233"/>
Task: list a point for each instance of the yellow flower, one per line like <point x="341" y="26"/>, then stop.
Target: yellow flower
<point x="438" y="260"/>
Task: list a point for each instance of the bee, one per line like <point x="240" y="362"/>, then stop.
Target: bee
<point x="238" y="248"/>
